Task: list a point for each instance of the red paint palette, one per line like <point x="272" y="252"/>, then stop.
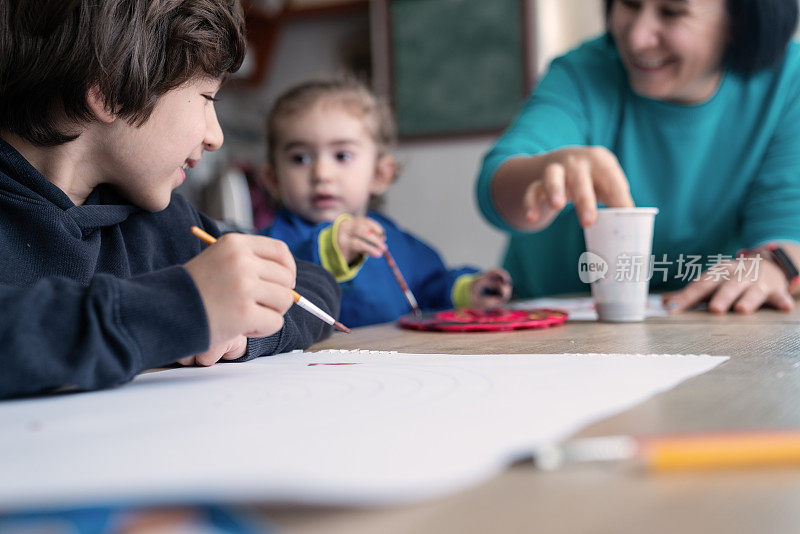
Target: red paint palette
<point x="469" y="320"/>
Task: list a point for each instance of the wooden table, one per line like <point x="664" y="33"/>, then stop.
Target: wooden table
<point x="759" y="388"/>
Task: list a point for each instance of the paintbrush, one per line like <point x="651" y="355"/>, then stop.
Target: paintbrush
<point x="402" y="281"/>
<point x="397" y="276"/>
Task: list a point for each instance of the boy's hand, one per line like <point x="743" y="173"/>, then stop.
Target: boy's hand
<point x="491" y="289"/>
<point x="233" y="349"/>
<point x="245" y="283"/>
<point x="360" y="235"/>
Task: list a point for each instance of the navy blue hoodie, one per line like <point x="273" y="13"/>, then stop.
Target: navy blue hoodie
<point x="91" y="295"/>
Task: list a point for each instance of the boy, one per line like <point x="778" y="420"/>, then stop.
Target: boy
<point x="329" y="162"/>
<point x="103" y="106"/>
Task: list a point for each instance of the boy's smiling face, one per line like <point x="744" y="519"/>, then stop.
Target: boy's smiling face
<point x="146" y="163"/>
<point x="326" y="163"/>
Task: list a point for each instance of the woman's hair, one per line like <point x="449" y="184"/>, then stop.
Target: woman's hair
<point x="347" y="93"/>
<point x="53" y="51"/>
<point x="760" y="32"/>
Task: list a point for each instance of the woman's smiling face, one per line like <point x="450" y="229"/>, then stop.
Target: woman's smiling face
<point x="673" y="50"/>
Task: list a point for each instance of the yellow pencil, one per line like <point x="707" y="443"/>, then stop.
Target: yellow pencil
<point x="674" y="453"/>
<point x="722" y="450"/>
<point x="297" y="297"/>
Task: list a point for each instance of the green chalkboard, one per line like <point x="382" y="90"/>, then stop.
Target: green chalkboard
<point x="458" y="66"/>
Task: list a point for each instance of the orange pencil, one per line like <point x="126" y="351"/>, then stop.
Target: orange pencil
<point x="297" y="297"/>
<point x="674" y="453"/>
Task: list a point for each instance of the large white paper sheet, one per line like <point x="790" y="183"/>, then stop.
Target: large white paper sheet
<point x="331" y="427"/>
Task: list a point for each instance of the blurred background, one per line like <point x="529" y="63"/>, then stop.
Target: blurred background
<point x="455" y="72"/>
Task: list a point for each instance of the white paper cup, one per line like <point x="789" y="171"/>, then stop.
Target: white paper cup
<point x="617" y="261"/>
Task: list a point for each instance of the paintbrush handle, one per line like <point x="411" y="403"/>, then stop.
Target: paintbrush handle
<point x="311" y="307"/>
<point x="402" y="281"/>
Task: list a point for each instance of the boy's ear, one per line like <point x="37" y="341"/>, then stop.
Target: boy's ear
<point x="269" y="179"/>
<point x="385" y="171"/>
<point x="96" y="101"/>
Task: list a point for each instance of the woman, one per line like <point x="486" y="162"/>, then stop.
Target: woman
<point x="691" y="106"/>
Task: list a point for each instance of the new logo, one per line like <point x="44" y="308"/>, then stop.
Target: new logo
<point x="591" y="267"/>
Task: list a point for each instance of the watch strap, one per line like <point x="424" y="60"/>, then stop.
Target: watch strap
<point x="779" y="257"/>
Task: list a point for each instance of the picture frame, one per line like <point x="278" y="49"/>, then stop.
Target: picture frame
<point x="453" y="68"/>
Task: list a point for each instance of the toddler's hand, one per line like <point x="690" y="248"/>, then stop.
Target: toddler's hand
<point x="232" y="349"/>
<point x="491" y="289"/>
<point x="245" y="282"/>
<point x="361" y="235"/>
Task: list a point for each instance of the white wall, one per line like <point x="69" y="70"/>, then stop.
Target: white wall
<point x="434" y="196"/>
<point x="561" y="24"/>
<point x="306" y="48"/>
<point x="434" y="200"/>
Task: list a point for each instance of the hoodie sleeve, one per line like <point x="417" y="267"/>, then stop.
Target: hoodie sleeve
<point x="59" y="334"/>
<point x="301" y="329"/>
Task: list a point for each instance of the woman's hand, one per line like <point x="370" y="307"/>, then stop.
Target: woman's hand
<point x="727" y="289"/>
<point x="360" y="235"/>
<point x="530" y="191"/>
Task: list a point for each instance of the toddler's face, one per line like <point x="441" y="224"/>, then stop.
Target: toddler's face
<point x="146" y="163"/>
<point x="325" y="163"/>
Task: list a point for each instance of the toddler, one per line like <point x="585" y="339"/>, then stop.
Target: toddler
<point x="329" y="164"/>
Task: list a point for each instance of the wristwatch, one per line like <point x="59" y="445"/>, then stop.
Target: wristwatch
<point x="780" y="258"/>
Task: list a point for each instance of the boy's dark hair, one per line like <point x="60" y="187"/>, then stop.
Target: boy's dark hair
<point x="53" y="51"/>
<point x="760" y="32"/>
